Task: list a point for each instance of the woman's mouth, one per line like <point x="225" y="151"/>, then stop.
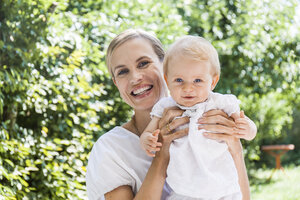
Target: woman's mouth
<point x="141" y="90"/>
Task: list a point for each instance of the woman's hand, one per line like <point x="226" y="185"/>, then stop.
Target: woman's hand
<point x="217" y="121"/>
<point x="167" y="125"/>
<point x="223" y="128"/>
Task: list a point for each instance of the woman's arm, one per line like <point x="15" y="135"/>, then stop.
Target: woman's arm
<point x="154" y="181"/>
<point x="218" y="121"/>
<point x="236" y="151"/>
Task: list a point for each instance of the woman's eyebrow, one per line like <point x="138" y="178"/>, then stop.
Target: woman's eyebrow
<point x="141" y="58"/>
<point x="118" y="66"/>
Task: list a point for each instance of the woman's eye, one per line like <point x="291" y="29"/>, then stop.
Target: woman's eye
<point x="123" y="71"/>
<point x="143" y="64"/>
<point x="197" y="80"/>
<point x="178" y="80"/>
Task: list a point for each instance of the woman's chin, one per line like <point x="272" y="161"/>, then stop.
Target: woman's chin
<point x="145" y="101"/>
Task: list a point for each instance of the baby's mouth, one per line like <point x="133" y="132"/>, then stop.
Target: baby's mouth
<point x="188" y="97"/>
<point x="141" y="90"/>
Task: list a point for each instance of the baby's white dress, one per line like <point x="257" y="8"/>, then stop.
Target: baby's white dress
<point x="201" y="168"/>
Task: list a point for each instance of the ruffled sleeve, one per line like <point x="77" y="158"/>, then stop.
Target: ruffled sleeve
<point x="226" y="102"/>
<point x="159" y="107"/>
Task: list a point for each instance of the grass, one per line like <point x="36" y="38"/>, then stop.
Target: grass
<point x="282" y="186"/>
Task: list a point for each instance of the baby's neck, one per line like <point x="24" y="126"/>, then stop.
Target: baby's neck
<point x="193" y="104"/>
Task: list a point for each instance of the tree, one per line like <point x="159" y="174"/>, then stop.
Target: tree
<point x="67" y="99"/>
<point x="259" y="53"/>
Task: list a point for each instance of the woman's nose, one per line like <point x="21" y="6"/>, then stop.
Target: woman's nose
<point x="136" y="77"/>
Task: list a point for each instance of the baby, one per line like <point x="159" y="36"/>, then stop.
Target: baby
<point x="199" y="168"/>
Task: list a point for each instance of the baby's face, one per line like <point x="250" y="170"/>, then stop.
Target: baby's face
<point x="190" y="81"/>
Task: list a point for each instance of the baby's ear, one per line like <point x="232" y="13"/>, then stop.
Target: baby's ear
<point x="215" y="80"/>
<point x="165" y="77"/>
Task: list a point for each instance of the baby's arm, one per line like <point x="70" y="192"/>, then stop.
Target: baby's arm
<point x="149" y="137"/>
<point x="245" y="127"/>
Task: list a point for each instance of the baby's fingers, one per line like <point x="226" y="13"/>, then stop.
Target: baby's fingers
<point x="156" y="133"/>
<point x="242" y="114"/>
<point x="153" y="139"/>
<point x="158" y="144"/>
<point x="241" y="121"/>
<point x="243" y="134"/>
<point x="150" y="153"/>
<point x="241" y="128"/>
<point x="152" y="148"/>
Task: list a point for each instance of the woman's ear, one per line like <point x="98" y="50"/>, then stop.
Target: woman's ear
<point x="114" y="82"/>
<point x="215" y="80"/>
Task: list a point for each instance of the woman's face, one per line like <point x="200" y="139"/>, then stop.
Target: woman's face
<point x="137" y="73"/>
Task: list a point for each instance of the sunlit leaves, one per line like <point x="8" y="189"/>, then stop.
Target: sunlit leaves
<point x="56" y="97"/>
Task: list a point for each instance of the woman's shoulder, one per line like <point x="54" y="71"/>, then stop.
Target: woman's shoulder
<point x="115" y="137"/>
<point x="111" y="162"/>
<point x="116" y="147"/>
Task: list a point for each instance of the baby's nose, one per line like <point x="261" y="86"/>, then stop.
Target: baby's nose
<point x="188" y="87"/>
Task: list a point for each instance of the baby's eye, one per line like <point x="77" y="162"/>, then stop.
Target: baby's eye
<point x="197" y="80"/>
<point x="178" y="80"/>
<point x="143" y="64"/>
<point x="122" y="71"/>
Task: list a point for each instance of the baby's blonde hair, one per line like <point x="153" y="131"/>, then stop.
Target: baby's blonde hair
<point x="196" y="48"/>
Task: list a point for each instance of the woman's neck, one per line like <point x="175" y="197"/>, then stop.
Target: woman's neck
<point x="139" y="122"/>
<point x="141" y="119"/>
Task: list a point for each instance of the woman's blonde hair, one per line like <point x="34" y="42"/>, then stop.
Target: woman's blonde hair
<point x="130" y="34"/>
<point x="195" y="47"/>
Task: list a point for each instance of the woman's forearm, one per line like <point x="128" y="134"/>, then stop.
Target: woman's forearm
<point x="154" y="181"/>
<point x="152" y="186"/>
<point x="242" y="174"/>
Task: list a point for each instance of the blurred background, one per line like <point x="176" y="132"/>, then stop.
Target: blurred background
<point x="56" y="96"/>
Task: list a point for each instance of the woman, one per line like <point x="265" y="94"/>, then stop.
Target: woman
<point x="118" y="168"/>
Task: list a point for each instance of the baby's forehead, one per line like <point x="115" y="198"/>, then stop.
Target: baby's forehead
<point x="184" y="58"/>
<point x="186" y="65"/>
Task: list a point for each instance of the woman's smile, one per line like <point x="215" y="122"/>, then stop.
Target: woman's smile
<point x="141" y="91"/>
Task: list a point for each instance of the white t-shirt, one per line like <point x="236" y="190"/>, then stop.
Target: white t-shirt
<point x="117" y="159"/>
<point x="201" y="168"/>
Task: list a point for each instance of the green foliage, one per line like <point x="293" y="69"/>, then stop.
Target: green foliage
<point x="282" y="185"/>
<point x="271" y="112"/>
<point x="20" y="31"/>
<point x="255" y="50"/>
<point x="258" y="47"/>
<point x="56" y="97"/>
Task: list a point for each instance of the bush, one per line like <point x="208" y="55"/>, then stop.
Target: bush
<point x="56" y="97"/>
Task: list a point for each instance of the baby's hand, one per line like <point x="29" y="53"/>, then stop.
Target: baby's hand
<point x="149" y="142"/>
<point x="244" y="128"/>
